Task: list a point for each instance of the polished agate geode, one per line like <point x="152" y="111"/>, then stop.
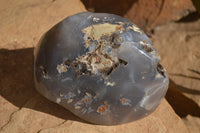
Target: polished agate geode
<point x="101" y="67"/>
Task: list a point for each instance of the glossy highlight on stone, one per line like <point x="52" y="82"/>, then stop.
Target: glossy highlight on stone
<point x="101" y="67"/>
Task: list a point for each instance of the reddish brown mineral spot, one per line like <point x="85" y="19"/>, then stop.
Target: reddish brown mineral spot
<point x="123" y="100"/>
<point x="103" y="109"/>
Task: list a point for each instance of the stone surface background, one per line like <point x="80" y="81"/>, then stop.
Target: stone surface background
<point x="23" y="110"/>
<point x="145" y="13"/>
<point x="178" y="45"/>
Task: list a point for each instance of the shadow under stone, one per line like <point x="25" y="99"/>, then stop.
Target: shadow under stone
<point x="181" y="104"/>
<point x="192" y="17"/>
<point x="118" y="7"/>
<point x="17" y="84"/>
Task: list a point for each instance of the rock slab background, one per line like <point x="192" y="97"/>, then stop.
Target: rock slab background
<point x="24" y="110"/>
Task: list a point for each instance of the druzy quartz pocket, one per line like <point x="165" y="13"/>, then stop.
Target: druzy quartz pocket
<point x="101" y="67"/>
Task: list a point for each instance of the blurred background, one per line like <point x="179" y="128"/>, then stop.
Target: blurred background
<point x="172" y="25"/>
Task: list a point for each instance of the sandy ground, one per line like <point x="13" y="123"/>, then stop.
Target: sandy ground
<point x="178" y="45"/>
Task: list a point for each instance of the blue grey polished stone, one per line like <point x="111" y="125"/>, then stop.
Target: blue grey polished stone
<point x="101" y="67"/>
